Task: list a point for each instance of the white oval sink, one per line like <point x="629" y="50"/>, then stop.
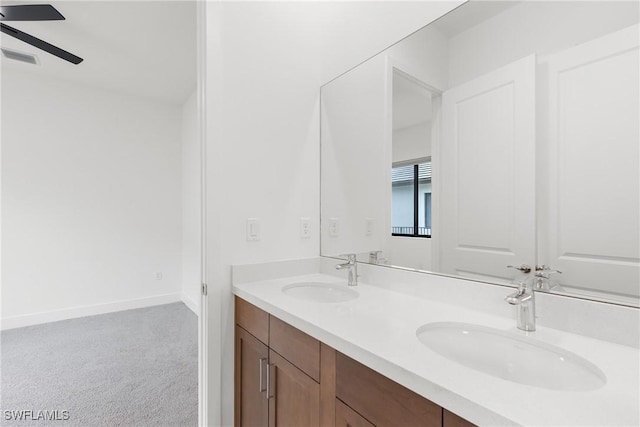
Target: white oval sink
<point x="512" y="357"/>
<point x="320" y="292"/>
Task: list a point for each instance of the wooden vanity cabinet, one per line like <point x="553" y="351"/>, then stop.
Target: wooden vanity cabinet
<point x="380" y="400"/>
<point x="277" y="371"/>
<point x="449" y="419"/>
<point x="295" y="346"/>
<point x="347" y="417"/>
<point x="251" y="363"/>
<point x="253" y="320"/>
<point x="284" y="377"/>
<point x="295" y="397"/>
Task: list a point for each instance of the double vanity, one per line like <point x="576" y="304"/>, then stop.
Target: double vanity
<point x="437" y="350"/>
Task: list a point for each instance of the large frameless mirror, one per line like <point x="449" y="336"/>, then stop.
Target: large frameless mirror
<point x="504" y="133"/>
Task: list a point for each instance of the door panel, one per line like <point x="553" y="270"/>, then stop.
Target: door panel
<point x="594" y="187"/>
<point x="488" y="173"/>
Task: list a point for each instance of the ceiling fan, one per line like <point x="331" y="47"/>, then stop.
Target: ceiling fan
<point x="35" y="12"/>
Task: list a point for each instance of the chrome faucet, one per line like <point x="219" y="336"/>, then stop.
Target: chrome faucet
<point x="374" y="257"/>
<point x="525" y="300"/>
<point x="352" y="267"/>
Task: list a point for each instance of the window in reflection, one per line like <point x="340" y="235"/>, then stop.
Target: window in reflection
<point x="411" y="199"/>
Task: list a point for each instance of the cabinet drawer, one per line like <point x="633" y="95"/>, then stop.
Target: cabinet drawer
<point x="297" y="347"/>
<point x="449" y="419"/>
<point x="253" y="320"/>
<point x="380" y="400"/>
<point x="347" y="417"/>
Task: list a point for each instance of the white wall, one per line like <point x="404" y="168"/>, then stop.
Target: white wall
<point x="191" y="206"/>
<point x="412" y="143"/>
<point x="410" y="252"/>
<point x="90" y="200"/>
<point x="424" y="56"/>
<point x="356" y="171"/>
<point x="359" y="146"/>
<point x="265" y="64"/>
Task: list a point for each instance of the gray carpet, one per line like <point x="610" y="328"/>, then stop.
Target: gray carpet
<point x="130" y="368"/>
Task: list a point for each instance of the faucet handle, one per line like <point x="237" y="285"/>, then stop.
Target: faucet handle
<point x="546" y="269"/>
<point x="350" y="257"/>
<point x="524" y="268"/>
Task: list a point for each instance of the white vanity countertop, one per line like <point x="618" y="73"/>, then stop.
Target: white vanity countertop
<point x="379" y="327"/>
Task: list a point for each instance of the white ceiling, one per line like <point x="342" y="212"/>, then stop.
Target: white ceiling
<point x="471" y="14"/>
<point x="144" y="48"/>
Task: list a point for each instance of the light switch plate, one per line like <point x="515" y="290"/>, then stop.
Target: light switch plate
<point x="368" y="226"/>
<point x="253" y="229"/>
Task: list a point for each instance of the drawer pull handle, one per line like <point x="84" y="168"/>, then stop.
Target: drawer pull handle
<point x="269" y="393"/>
<point x="262" y="362"/>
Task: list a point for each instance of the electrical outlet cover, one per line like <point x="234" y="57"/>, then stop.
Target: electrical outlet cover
<point x="305" y="228"/>
<point x="334" y="227"/>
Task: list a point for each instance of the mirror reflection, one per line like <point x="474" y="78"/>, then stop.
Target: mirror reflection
<point x="504" y="133"/>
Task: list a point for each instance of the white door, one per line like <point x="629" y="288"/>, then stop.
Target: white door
<point x="487" y="170"/>
<point x="593" y="205"/>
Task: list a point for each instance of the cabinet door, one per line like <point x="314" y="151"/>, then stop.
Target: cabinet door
<point x="294" y="398"/>
<point x="251" y="404"/>
<point x="347" y="417"/>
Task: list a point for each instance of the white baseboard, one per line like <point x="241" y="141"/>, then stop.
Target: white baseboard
<point x="86" y="310"/>
<point x="193" y="306"/>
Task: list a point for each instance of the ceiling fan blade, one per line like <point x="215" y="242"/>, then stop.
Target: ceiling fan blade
<point x="40" y="44"/>
<point x="30" y="12"/>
